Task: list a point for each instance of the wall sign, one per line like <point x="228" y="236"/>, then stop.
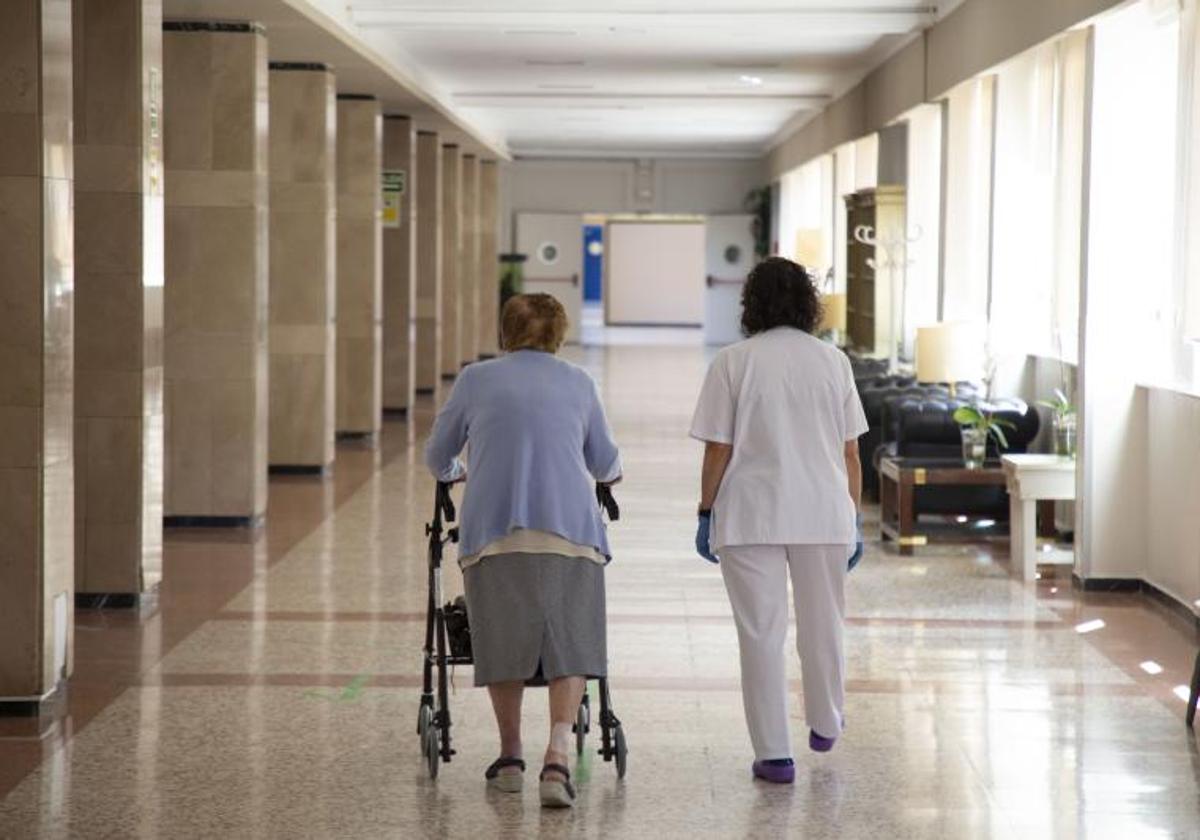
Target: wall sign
<point x="393" y="185"/>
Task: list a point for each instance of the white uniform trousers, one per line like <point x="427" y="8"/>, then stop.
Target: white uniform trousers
<point x="756" y="578"/>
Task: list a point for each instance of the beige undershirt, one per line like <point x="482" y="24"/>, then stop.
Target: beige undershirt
<point x="530" y="541"/>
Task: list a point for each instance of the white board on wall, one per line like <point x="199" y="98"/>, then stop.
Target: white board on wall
<point x="654" y="273"/>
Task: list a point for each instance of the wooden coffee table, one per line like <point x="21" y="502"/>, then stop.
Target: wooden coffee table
<point x="897" y="478"/>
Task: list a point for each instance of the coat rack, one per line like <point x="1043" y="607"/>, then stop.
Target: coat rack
<point x="895" y="256"/>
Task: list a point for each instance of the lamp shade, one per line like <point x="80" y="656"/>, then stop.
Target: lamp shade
<point x="833" y="315"/>
<point x="810" y="248"/>
<point x="949" y="352"/>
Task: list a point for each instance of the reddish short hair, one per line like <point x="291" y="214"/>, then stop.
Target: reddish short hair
<point x="533" y="322"/>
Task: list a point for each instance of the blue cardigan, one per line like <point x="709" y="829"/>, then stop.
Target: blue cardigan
<point x="538" y="442"/>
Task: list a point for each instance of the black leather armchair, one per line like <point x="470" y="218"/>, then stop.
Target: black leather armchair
<point x="877" y="395"/>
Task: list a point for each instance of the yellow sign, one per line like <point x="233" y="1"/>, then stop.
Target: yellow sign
<point x="394" y="181"/>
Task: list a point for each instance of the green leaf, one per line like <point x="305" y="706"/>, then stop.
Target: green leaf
<point x="999" y="434"/>
<point x="968" y="415"/>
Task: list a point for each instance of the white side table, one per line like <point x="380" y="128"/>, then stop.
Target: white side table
<point x="1031" y="478"/>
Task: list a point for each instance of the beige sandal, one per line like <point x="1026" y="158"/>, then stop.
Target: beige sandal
<point x="556" y="793"/>
<point x="507" y="782"/>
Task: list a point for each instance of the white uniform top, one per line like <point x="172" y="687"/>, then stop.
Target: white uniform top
<point x="786" y="401"/>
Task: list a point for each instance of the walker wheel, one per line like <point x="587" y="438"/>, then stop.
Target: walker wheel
<point x="621" y="749"/>
<point x="429" y="746"/>
<point x="582" y="724"/>
<point x="424" y="721"/>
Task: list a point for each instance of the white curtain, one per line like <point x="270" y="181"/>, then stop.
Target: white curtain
<point x="844" y="160"/>
<point x="968" y="201"/>
<point x="1132" y="259"/>
<point x="924" y="197"/>
<point x="806" y="215"/>
<point x="1037" y="201"/>
<point x="1190" y="201"/>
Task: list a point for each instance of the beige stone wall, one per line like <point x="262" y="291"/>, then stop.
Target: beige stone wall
<point x="399" y="269"/>
<point x="469" y="278"/>
<point x="359" y="267"/>
<point x="489" y="267"/>
<point x="215" y="362"/>
<point x="303" y="167"/>
<point x="117" y="47"/>
<point x="452" y="266"/>
<point x="37" y="554"/>
<point x="429" y="263"/>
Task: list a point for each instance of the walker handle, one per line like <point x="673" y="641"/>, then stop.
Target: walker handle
<point x="604" y="496"/>
<point x="444" y="504"/>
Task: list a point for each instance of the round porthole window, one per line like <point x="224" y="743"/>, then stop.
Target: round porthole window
<point x="733" y="254"/>
<point x="548" y="253"/>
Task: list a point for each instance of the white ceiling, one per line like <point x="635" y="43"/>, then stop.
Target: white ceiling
<point x="642" y="77"/>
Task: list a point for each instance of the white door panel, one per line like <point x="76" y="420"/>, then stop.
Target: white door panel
<point x="729" y="249"/>
<point x="553" y="243"/>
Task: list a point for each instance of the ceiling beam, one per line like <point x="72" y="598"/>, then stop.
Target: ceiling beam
<point x="858" y="19"/>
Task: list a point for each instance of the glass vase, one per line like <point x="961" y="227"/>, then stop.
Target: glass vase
<point x="1065" y="435"/>
<point x="974" y="447"/>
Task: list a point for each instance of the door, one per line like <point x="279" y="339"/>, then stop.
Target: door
<point x="729" y="256"/>
<point x="593" y="263"/>
<point x="553" y="243"/>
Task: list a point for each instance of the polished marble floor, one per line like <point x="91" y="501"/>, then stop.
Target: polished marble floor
<point x="269" y="689"/>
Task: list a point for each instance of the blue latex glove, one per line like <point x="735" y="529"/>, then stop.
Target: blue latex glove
<point x="858" y="545"/>
<point x="704" y="520"/>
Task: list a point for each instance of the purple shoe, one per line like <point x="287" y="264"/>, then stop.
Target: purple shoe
<point x="819" y="743"/>
<point x="779" y="771"/>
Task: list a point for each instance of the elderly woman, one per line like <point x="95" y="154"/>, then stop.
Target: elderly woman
<point x="532" y="545"/>
<point x="781" y="484"/>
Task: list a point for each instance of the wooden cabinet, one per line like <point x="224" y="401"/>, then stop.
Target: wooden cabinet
<point x="860" y="274"/>
<point x="869" y="268"/>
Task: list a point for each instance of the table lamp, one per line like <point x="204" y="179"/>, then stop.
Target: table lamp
<point x="833" y="314"/>
<point x="949" y="352"/>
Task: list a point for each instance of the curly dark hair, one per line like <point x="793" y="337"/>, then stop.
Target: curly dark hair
<point x="779" y="293"/>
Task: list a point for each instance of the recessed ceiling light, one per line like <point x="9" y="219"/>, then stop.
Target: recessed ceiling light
<point x="746" y="65"/>
<point x="559" y="32"/>
<point x="1151" y="667"/>
<point x="754" y="81"/>
<point x="1089" y="626"/>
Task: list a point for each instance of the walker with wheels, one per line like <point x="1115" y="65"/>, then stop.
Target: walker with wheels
<point x="448" y="643"/>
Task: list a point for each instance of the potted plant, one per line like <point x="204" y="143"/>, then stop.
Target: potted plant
<point x="1064" y="418"/>
<point x="978" y="422"/>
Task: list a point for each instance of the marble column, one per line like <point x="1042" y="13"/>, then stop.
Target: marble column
<point x="489" y="266"/>
<point x="37" y="552"/>
<point x="118" y="299"/>
<point x="215" y="304"/>
<point x="451" y="259"/>
<point x="359" y="267"/>
<point x="303" y="289"/>
<point x="469" y="277"/>
<point x="428" y="326"/>
<point x="399" y="265"/>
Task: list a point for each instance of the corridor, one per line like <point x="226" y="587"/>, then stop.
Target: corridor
<point x="270" y="688"/>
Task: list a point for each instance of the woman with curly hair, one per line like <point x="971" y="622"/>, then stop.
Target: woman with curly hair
<point x="781" y="485"/>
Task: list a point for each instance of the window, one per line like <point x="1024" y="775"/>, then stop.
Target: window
<point x="923" y="205"/>
<point x="967" y="207"/>
<point x="806" y="215"/>
<point x="1132" y="258"/>
<point x="1037" y="201"/>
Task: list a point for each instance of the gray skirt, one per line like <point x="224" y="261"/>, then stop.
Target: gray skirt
<point x="536" y="617"/>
